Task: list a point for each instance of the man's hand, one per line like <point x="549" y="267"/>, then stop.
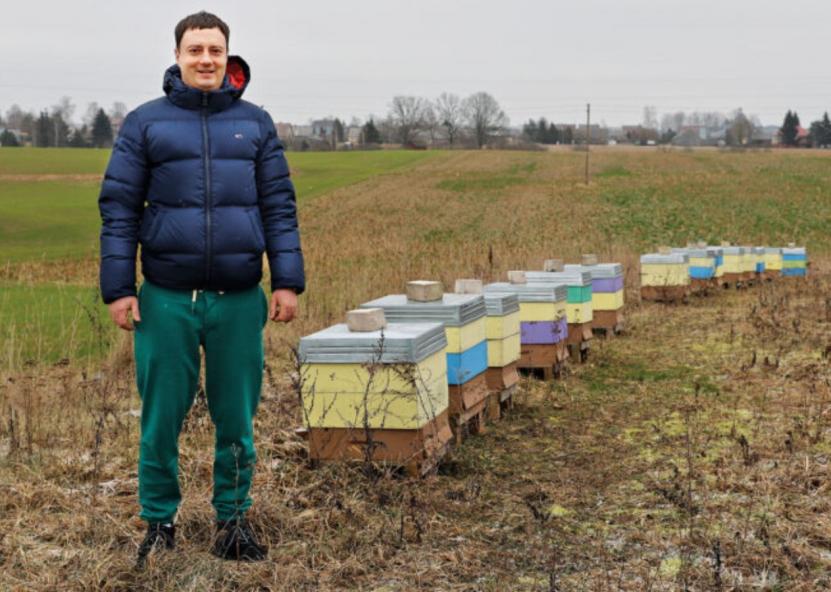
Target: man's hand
<point x="283" y="305"/>
<point x="119" y="310"/>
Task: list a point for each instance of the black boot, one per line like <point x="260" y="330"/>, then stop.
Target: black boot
<point x="159" y="536"/>
<point x="235" y="540"/>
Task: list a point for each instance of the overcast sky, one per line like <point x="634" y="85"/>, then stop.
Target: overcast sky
<point x="349" y="58"/>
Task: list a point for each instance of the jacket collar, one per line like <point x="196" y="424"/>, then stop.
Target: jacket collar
<point x="237" y="77"/>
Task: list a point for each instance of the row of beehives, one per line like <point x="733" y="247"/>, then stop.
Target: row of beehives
<point x="409" y="372"/>
<point x="674" y="273"/>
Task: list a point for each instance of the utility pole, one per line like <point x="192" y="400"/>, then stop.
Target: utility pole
<point x="588" y="137"/>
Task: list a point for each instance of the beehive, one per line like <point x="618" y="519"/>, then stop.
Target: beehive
<point x="504" y="349"/>
<point x="665" y="276"/>
<point x="773" y="261"/>
<point x="607" y="294"/>
<point x="748" y="265"/>
<point x="407" y="387"/>
<point x="579" y="311"/>
<point x="463" y="317"/>
<point x="794" y="262"/>
<point x="502" y="329"/>
<point x="716" y="253"/>
<point x="759" y="262"/>
<point x="543" y="322"/>
<point x="702" y="268"/>
<point x="392" y="382"/>
<point x="734" y="264"/>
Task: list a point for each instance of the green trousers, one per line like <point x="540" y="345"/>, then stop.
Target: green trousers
<point x="174" y="324"/>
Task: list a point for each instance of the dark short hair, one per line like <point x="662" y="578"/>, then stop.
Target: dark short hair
<point x="201" y="20"/>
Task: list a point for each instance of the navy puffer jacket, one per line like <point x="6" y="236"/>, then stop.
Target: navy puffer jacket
<point x="199" y="180"/>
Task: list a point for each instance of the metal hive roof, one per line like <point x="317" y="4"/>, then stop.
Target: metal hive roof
<point x="454" y="310"/>
<point x="401" y="343"/>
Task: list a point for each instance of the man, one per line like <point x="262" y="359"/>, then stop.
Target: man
<point x="198" y="178"/>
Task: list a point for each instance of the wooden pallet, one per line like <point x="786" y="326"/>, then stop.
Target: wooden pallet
<point x="547" y="360"/>
<point x="607" y="323"/>
<point x="665" y="293"/>
<point x="502" y="378"/>
<point x="418" y="451"/>
<point x="703" y="287"/>
<point x="500" y="403"/>
<point x="579" y="340"/>
<point x="733" y="280"/>
<point x="468" y="406"/>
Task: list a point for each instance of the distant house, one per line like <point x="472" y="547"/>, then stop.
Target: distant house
<point x="803" y="137"/>
<point x="303" y="131"/>
<point x="353" y="134"/>
<point x="323" y="128"/>
<point x="285" y="131"/>
<point x="638" y="134"/>
<point x="701" y="135"/>
<point x="764" y="136"/>
<point x="17" y="134"/>
<point x="596" y="135"/>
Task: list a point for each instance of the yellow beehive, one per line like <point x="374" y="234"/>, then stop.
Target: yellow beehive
<point x="657" y="274"/>
<point x="398" y="397"/>
<point x="505" y="351"/>
<point x="607" y="300"/>
<point x="578" y="313"/>
<point x="462" y="338"/>
<point x="734" y="259"/>
<point x="773" y="258"/>
<point x="502" y="329"/>
<point x="541" y="311"/>
<point x="381" y="393"/>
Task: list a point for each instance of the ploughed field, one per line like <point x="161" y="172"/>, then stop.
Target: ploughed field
<point x="693" y="451"/>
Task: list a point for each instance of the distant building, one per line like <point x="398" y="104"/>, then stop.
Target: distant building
<point x="285" y="131"/>
<point x="596" y="135"/>
<point x="803" y="137"/>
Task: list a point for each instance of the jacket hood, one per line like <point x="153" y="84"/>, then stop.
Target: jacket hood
<point x="237" y="77"/>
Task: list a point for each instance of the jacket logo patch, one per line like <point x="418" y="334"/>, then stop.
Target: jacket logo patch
<point x="238" y="136"/>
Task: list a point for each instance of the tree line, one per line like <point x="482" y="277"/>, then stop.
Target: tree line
<point x="449" y="120"/>
<point x="54" y="127"/>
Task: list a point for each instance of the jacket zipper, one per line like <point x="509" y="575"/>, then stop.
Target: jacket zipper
<point x="207" y="166"/>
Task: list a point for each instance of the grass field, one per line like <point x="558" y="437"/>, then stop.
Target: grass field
<point x="49" y="225"/>
<point x="691" y="453"/>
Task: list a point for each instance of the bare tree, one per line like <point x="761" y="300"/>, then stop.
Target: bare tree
<point x="118" y="111"/>
<point x="407" y="117"/>
<point x="65" y="108"/>
<point x="450" y="114"/>
<point x="650" y="117"/>
<point x="484" y="116"/>
<point x="673" y="121"/>
<point x="431" y="122"/>
<point x="92" y="111"/>
<point x="14" y="117"/>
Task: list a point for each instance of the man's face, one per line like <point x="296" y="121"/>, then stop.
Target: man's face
<point x="202" y="56"/>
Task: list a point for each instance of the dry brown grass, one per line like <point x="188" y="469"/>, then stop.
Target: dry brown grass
<point x="691" y="452"/>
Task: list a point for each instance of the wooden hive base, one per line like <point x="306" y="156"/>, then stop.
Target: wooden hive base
<point x="498" y="379"/>
<point x="500" y="403"/>
<point x="467" y="407"/>
<point x="545" y="359"/>
<point x="418" y="451"/>
<point x="702" y="286"/>
<point x="579" y="332"/>
<point x="733" y="280"/>
<point x="665" y="293"/>
<point x="772" y="274"/>
<point x="607" y="322"/>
